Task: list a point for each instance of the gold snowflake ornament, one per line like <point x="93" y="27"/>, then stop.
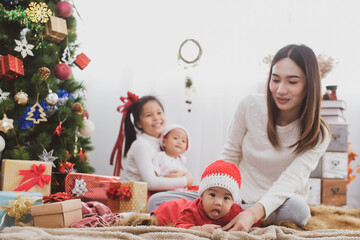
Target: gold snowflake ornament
<point x="6" y="124"/>
<point x="38" y="12"/>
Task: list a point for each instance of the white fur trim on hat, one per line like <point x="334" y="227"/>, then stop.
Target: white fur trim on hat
<point x="170" y="127"/>
<point x="220" y="180"/>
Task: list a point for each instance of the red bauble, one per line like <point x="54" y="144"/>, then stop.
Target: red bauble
<point x="64" y="9"/>
<point x="62" y="71"/>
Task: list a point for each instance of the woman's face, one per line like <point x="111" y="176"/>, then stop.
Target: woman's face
<point x="152" y="119"/>
<point x="288" y="86"/>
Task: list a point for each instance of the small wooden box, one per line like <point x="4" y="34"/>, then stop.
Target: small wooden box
<point x="333" y="192"/>
<point x="315" y="191"/>
<point x="339" y="138"/>
<point x="335" y="165"/>
<point x="58" y="214"/>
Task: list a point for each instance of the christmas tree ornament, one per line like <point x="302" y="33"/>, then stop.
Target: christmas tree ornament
<point x="88" y="128"/>
<point x="58" y="130"/>
<point x="36" y="113"/>
<point x="52" y="98"/>
<point x="66" y="57"/>
<point x="3" y="95"/>
<point x="86" y="115"/>
<point x="2" y="143"/>
<point x="55" y="29"/>
<point x="50" y="110"/>
<point x="64" y="9"/>
<point x="76" y="142"/>
<point x="21" y="98"/>
<point x="77" y="108"/>
<point x="66" y="166"/>
<point x="82" y="155"/>
<point x="11" y="68"/>
<point x="6" y="124"/>
<point x="62" y="71"/>
<point x="48" y="157"/>
<point x="82" y="61"/>
<point x="44" y="72"/>
<point x="38" y="12"/>
<point x="80" y="188"/>
<point x="24" y="48"/>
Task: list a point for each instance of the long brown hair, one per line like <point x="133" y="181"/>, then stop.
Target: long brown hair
<point x="311" y="123"/>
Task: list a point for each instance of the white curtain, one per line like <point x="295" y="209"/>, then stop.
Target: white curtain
<point x="134" y="45"/>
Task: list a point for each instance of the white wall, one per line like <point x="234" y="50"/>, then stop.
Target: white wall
<point x="133" y="46"/>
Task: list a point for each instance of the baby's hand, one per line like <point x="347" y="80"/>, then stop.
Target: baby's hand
<point x="210" y="228"/>
<point x="175" y="173"/>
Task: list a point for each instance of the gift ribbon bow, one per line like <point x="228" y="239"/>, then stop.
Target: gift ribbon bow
<point x="128" y="102"/>
<point x="33" y="177"/>
<point x="18" y="208"/>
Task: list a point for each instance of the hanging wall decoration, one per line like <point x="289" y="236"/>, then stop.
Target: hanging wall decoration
<point x="189" y="55"/>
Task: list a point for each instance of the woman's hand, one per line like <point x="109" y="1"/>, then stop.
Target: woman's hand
<point x="244" y="220"/>
<point x="210" y="228"/>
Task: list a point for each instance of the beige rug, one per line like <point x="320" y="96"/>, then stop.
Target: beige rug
<point x="326" y="223"/>
<point x="155" y="232"/>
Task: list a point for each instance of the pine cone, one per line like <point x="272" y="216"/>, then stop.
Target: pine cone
<point x="44" y="72"/>
<point x="77" y="108"/>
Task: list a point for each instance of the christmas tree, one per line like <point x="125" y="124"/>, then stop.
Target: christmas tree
<point x="42" y="115"/>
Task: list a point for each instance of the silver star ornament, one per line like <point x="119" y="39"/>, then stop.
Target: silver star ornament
<point x="48" y="157"/>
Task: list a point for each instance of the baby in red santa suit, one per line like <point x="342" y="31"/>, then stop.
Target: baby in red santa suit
<point x="219" y="186"/>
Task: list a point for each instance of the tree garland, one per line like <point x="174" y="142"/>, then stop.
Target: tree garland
<point x="19" y="15"/>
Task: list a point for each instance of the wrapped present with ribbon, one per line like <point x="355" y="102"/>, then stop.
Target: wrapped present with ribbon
<point x="15" y="207"/>
<point x="89" y="187"/>
<point x="11" y="67"/>
<point x="127" y="197"/>
<point x="56" y="29"/>
<point x="24" y="175"/>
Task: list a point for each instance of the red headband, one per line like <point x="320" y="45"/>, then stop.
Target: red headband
<point x="128" y="102"/>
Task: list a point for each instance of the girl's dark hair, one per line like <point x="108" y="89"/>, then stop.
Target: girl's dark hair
<point x="135" y="110"/>
<point x="309" y="115"/>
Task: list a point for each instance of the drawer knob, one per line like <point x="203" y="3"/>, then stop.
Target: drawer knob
<point x="335" y="190"/>
<point x="335" y="162"/>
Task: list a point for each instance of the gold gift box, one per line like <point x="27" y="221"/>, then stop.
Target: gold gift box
<point x="56" y="29"/>
<point x="137" y="201"/>
<point x="11" y="179"/>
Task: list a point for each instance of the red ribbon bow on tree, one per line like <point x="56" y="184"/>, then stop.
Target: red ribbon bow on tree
<point x="33" y="177"/>
<point x="128" y="102"/>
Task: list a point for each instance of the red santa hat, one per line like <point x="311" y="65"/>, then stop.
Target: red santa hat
<point x="221" y="174"/>
<point x="170" y="127"/>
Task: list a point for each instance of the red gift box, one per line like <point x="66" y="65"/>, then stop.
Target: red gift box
<point x="82" y="61"/>
<point x="11" y="67"/>
<point x="95" y="185"/>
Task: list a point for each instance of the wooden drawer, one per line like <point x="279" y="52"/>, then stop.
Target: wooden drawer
<point x="314" y="191"/>
<point x="333" y="192"/>
<point x="339" y="138"/>
<point x="335" y="165"/>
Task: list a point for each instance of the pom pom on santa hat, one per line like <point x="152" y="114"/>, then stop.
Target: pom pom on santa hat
<point x="221" y="174"/>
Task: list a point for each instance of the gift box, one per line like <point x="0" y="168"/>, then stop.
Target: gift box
<point x="89" y="187"/>
<point x="59" y="214"/>
<point x="11" y="67"/>
<point x="23" y="175"/>
<point x="134" y="201"/>
<point x="15" y="207"/>
<point x="56" y="29"/>
<point x="82" y="61"/>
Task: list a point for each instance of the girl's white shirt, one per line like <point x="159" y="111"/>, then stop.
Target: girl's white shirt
<point x="137" y="166"/>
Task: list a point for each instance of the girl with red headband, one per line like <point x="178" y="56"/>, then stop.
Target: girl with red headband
<point x="142" y="135"/>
